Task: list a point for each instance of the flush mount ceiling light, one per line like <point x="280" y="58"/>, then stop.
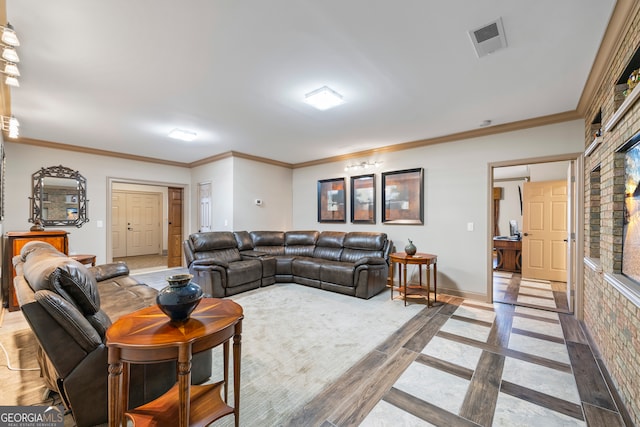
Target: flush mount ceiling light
<point x="323" y="98"/>
<point x="183" y="135"/>
<point x="9" y="36"/>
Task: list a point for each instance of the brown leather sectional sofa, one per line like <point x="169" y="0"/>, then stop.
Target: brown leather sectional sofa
<point x="225" y="263"/>
<point x="69" y="308"/>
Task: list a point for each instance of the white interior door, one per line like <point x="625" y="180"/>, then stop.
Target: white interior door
<point x="545" y="212"/>
<point x="204" y="211"/>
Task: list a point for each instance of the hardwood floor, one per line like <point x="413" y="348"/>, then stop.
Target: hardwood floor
<point x="466" y="363"/>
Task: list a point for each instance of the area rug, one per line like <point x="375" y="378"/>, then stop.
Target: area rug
<point x="297" y="340"/>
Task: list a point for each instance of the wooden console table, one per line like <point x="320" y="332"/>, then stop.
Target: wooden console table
<point x="418" y="259"/>
<point x="148" y="336"/>
<point x="13" y="242"/>
<point x="509" y="252"/>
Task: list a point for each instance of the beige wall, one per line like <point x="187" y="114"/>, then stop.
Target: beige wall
<point x="23" y="160"/>
<point x="456" y="193"/>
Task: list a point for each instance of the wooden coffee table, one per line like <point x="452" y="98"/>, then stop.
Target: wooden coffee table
<point x="148" y="336"/>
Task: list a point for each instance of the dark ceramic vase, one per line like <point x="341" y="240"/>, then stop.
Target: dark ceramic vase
<point x="410" y="249"/>
<point x="180" y="298"/>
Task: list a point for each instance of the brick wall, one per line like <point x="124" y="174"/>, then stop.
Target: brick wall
<point x="612" y="319"/>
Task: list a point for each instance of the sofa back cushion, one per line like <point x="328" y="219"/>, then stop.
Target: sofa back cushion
<point x="329" y="245"/>
<point x="65" y="276"/>
<point x="244" y="241"/>
<point x="301" y="243"/>
<point x="359" y="244"/>
<point x="271" y="242"/>
<point x="219" y="245"/>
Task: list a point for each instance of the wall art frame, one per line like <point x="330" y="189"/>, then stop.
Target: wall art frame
<point x="403" y="196"/>
<point x="363" y="199"/>
<point x="331" y="200"/>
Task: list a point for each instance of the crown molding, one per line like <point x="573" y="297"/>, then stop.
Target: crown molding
<point x="95" y="151"/>
<point x="619" y="24"/>
<point x="491" y="130"/>
<point x="241" y="156"/>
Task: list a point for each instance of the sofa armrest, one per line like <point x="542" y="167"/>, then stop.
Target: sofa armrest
<point x="370" y="261"/>
<point x="109" y="271"/>
<point x="210" y="261"/>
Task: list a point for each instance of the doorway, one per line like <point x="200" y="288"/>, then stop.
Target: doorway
<point x="512" y="238"/>
<point x="146" y="224"/>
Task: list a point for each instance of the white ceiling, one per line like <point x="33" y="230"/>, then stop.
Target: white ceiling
<point x="118" y="75"/>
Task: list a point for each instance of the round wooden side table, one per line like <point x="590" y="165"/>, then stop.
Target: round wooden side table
<point x="418" y="259"/>
<point x="148" y="336"/>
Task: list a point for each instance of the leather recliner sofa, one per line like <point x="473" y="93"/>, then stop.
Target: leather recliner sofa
<point x="69" y="308"/>
<point x="352" y="263"/>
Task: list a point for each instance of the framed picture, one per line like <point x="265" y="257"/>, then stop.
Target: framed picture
<point x="403" y="196"/>
<point x="331" y="200"/>
<point x="363" y="199"/>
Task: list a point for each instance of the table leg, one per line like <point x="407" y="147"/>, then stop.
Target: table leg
<point x="225" y="364"/>
<point x="405" y="284"/>
<point x="391" y="276"/>
<point x="184" y="384"/>
<point x="115" y="403"/>
<point x="435" y="282"/>
<point x="237" y="337"/>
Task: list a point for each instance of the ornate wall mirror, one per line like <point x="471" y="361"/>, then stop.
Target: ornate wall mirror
<point x="59" y="197"/>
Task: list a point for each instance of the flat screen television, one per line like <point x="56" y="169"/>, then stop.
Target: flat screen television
<point x="631" y="227"/>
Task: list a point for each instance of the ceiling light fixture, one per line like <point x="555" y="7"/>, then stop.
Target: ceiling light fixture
<point x="9" y="36"/>
<point x="183" y="135"/>
<point x="11" y="69"/>
<point x="363" y="165"/>
<point x="10" y="54"/>
<point x="12" y="81"/>
<point x="323" y="98"/>
<point x="11" y="125"/>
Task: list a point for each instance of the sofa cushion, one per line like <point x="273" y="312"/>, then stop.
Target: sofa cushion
<point x="241" y="272"/>
<point x="63" y="275"/>
<point x="306" y="267"/>
<point x="68" y="316"/>
<point x="75" y="280"/>
<point x="301" y="243"/>
<point x="271" y="242"/>
<point x="340" y="273"/>
<point x="213" y="240"/>
<point x="359" y="244"/>
<point x="243" y="240"/>
<point x="329" y="245"/>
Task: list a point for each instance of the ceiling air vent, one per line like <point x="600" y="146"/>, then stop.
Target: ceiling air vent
<point x="488" y="38"/>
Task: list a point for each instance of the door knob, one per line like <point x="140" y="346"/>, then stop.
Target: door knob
<point x="526" y="234"/>
<point x="129" y="228"/>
